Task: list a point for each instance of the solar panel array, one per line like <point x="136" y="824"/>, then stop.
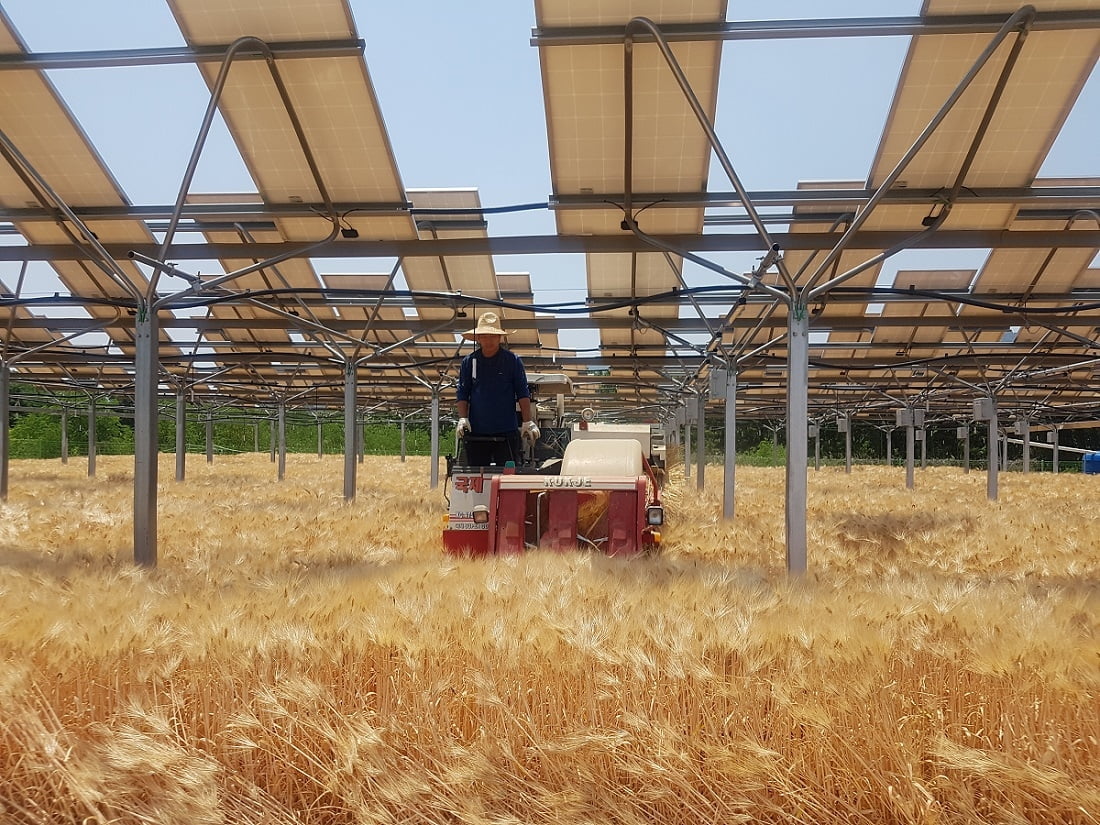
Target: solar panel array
<point x="626" y="144"/>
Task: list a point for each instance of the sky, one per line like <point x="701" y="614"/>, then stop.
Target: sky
<point x="460" y="91"/>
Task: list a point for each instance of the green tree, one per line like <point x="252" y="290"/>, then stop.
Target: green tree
<point x="35" y="435"/>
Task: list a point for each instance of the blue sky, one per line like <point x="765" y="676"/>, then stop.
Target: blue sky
<point x="460" y="92"/>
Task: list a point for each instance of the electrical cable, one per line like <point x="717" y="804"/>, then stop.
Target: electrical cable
<point x="565" y="307"/>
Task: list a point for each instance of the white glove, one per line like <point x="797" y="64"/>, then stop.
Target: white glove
<point x="530" y="431"/>
<point x="463" y="427"/>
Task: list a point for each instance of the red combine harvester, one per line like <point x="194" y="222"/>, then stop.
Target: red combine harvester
<point x="591" y="487"/>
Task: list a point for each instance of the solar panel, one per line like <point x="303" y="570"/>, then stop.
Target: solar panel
<point x="312" y="135"/>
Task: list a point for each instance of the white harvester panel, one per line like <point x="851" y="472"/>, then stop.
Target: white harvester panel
<point x="640" y="433"/>
<point x="593" y="458"/>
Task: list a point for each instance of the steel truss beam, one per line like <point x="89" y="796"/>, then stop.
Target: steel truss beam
<point x="1066" y="196"/>
<point x="165" y="55"/>
<point x="815" y="28"/>
<point x="572" y="244"/>
<point x="685" y="325"/>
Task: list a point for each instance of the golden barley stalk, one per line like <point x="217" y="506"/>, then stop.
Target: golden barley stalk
<point x="298" y="659"/>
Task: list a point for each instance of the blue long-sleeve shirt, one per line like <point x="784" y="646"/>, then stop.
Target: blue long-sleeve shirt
<point x="492" y="386"/>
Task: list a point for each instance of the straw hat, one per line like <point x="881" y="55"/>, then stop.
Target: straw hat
<point x="488" y="323"/>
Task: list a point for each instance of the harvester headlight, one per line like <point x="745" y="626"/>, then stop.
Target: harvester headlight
<point x="655" y="515"/>
<point x="481" y="514"/>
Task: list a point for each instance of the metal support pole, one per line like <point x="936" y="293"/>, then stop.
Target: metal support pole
<point x="5" y="442"/>
<point x="351" y="379"/>
<point x="687" y="445"/>
<point x="320" y="438"/>
<point x="64" y="435"/>
<point x="889" y="448"/>
<point x="402" y="439"/>
<point x="256" y="436"/>
<point x="848" y="447"/>
<point x="145" y="436"/>
<point x="817" y="448"/>
<point x="181" y="435"/>
<point x="282" y="440"/>
<point x="910" y="450"/>
<point x="923" y="448"/>
<point x="271" y="438"/>
<point x="1026" y="436"/>
<point x="966" y="451"/>
<point x="91" y="436"/>
<point x="1004" y="447"/>
<point x="700" y="441"/>
<point x="435" y="440"/>
<point x="798" y="371"/>
<point x="361" y="442"/>
<point x="209" y="437"/>
<point x="1054" y="450"/>
<point x="729" y="475"/>
<point x="991" y="475"/>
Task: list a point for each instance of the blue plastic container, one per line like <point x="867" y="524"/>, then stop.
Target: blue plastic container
<point x="1091" y="462"/>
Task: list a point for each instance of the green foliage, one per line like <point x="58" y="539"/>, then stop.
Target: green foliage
<point x="37" y="434"/>
<point x="764" y="454"/>
<point x="385" y="439"/>
<point x="34" y="426"/>
<point x="243" y="433"/>
<point x="107" y="428"/>
<point x="231" y="434"/>
<point x="34" y="448"/>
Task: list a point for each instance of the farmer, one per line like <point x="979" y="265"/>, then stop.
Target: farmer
<point x="491" y="381"/>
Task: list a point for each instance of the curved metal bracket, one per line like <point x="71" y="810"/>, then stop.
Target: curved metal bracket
<point x="204" y="130"/>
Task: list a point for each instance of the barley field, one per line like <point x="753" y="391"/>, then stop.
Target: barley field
<point x="295" y="659"/>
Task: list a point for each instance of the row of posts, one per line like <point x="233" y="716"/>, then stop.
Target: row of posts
<point x="910" y="419"/>
<point x="723" y="385"/>
<point x="354" y="440"/>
